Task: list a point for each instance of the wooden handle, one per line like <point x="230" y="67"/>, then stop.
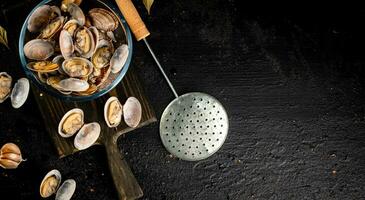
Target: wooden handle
<point x="133" y="19"/>
<point x="124" y="180"/>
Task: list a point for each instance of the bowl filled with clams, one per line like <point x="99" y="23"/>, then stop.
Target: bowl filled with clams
<point x="75" y="50"/>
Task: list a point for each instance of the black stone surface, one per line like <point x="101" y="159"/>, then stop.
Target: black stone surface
<point x="291" y="79"/>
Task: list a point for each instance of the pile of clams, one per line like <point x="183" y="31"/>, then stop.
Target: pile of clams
<point x="51" y="184"/>
<point x="18" y="93"/>
<point x="73" y="122"/>
<point x="73" y="51"/>
<point x="114" y="111"/>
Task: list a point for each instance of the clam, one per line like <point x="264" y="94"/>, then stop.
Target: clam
<point x="74" y="85"/>
<point x="43" y="66"/>
<point x="39" y="18"/>
<point x="76" y="13"/>
<point x="50" y="183"/>
<point x="71" y="122"/>
<point x="71" y="26"/>
<point x="103" y="19"/>
<point x="132" y="112"/>
<point x="65" y="3"/>
<point x="101" y="75"/>
<point x="66" y="44"/>
<point x="95" y="32"/>
<point x="66" y="190"/>
<point x="20" y="92"/>
<point x="113" y="111"/>
<point x="38" y="49"/>
<point x="102" y="57"/>
<point x="77" y="67"/>
<point x="54" y="81"/>
<point x="52" y="28"/>
<point x="87" y="136"/>
<point x="119" y="58"/>
<point x="91" y="90"/>
<point x="5" y="86"/>
<point x="59" y="60"/>
<point x="84" y="42"/>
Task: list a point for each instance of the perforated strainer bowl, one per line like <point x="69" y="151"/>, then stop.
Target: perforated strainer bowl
<point x="194" y="126"/>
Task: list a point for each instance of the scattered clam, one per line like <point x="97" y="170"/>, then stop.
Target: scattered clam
<point x="74" y="50"/>
<point x="113" y="111"/>
<point x="5" y="86"/>
<point x="66" y="190"/>
<point x="119" y="58"/>
<point x="87" y="136"/>
<point x="132" y="112"/>
<point x="71" y="122"/>
<point x="20" y="93"/>
<point x="10" y="156"/>
<point x="50" y="183"/>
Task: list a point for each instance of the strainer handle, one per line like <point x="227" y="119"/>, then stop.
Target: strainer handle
<point x="140" y="31"/>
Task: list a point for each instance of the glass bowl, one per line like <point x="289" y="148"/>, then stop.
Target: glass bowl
<point x="122" y="34"/>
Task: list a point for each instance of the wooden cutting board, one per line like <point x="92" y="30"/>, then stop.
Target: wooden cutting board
<point x="52" y="110"/>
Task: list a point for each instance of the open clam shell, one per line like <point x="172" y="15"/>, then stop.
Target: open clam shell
<point x="74" y="85"/>
<point x="87" y="135"/>
<point x="43" y="66"/>
<point x="76" y="13"/>
<point x="52" y="28"/>
<point x="71" y="26"/>
<point x="71" y="122"/>
<point x="66" y="190"/>
<point x="119" y="58"/>
<point x="84" y="42"/>
<point x="113" y="111"/>
<point x="132" y="112"/>
<point x="20" y="92"/>
<point x="50" y="183"/>
<point x="77" y="67"/>
<point x="5" y="86"/>
<point x="38" y="49"/>
<point x="102" y="56"/>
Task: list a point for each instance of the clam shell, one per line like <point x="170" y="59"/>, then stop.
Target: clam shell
<point x="76" y="13"/>
<point x="66" y="44"/>
<point x="74" y="119"/>
<point x="77" y="67"/>
<point x="113" y="111"/>
<point x="38" y="49"/>
<point x="132" y="112"/>
<point x="43" y="66"/>
<point x="87" y="136"/>
<point x="74" y="85"/>
<point x="59" y="60"/>
<point x="66" y="190"/>
<point x="103" y="19"/>
<point x="5" y="86"/>
<point x="101" y="57"/>
<point x="65" y="4"/>
<point x="52" y="28"/>
<point x="39" y="18"/>
<point x="50" y="183"/>
<point x="95" y="32"/>
<point x="119" y="58"/>
<point x="71" y="26"/>
<point x="84" y="42"/>
<point x="20" y="92"/>
<point x="92" y="89"/>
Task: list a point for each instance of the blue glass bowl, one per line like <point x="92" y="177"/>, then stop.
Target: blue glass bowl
<point x="122" y="34"/>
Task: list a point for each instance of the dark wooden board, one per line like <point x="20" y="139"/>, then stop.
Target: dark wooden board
<point x="53" y="109"/>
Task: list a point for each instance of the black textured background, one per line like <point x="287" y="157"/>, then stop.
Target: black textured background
<point x="291" y="79"/>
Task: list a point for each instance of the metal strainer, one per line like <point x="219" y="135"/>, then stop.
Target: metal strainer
<point x="194" y="125"/>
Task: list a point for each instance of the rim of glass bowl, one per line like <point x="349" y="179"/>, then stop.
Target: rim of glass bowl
<point x="61" y="96"/>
